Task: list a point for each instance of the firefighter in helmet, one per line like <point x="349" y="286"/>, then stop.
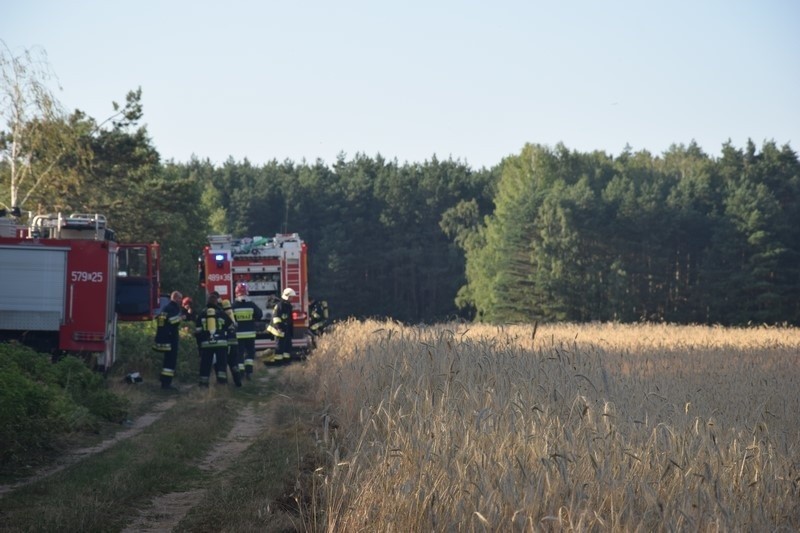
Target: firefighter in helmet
<point x="281" y="327"/>
<point x="246" y="313"/>
<point x="190" y="316"/>
<point x="213" y="324"/>
<point x="168" y="322"/>
<point x="187" y="305"/>
<point x="319" y="316"/>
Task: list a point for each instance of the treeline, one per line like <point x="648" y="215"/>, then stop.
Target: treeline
<point x="548" y="234"/>
<point x="374" y="228"/>
<point x="680" y="237"/>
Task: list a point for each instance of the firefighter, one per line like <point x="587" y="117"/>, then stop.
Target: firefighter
<point x="168" y="322"/>
<point x="246" y="314"/>
<point x="213" y="324"/>
<point x="319" y="316"/>
<point x="282" y="328"/>
<point x="190" y="316"/>
<point x="188" y="309"/>
<point x="233" y="348"/>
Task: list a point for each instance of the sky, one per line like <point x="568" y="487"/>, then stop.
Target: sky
<point x="466" y="80"/>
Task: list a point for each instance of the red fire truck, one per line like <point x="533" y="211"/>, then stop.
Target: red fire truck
<point x="65" y="282"/>
<point x="267" y="265"/>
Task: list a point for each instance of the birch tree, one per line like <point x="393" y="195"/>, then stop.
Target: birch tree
<point x="36" y="137"/>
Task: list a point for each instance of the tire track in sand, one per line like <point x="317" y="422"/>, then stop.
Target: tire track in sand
<point x="167" y="510"/>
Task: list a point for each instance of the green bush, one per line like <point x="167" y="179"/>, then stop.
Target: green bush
<point x="88" y="389"/>
<point x="29" y="408"/>
<point x="41" y="401"/>
<point x="135" y="350"/>
<point x="36" y="366"/>
<point x="135" y="353"/>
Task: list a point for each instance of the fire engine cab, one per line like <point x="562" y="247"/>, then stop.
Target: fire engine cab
<point x="65" y="282"/>
<point x="267" y="265"/>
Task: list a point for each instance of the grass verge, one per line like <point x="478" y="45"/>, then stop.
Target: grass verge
<point x="105" y="492"/>
<point x="264" y="490"/>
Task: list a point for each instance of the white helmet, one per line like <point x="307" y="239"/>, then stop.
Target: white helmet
<point x="288" y="292"/>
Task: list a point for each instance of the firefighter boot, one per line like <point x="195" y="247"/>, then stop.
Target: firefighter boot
<point x="237" y="377"/>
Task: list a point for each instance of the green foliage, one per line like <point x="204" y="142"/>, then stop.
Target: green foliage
<point x="40" y="401"/>
<point x="682" y="238"/>
<point x="88" y="389"/>
<point x="135" y="353"/>
<point x="29" y="416"/>
<point x="37" y="140"/>
<point x="135" y="350"/>
<point x="105" y="491"/>
<point x="552" y="234"/>
<point x="372" y="226"/>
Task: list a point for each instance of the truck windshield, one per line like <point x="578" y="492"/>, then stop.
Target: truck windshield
<point x="133" y="262"/>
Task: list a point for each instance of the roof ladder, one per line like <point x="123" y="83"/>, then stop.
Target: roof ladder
<point x="292" y="273"/>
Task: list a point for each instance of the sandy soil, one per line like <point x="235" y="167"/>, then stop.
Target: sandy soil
<point x="167" y="510"/>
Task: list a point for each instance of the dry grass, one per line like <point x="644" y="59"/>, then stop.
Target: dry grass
<point x="578" y="427"/>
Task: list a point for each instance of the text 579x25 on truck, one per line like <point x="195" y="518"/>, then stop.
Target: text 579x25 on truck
<point x="66" y="281"/>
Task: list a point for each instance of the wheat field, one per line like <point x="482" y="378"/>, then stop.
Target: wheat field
<point x="596" y="427"/>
